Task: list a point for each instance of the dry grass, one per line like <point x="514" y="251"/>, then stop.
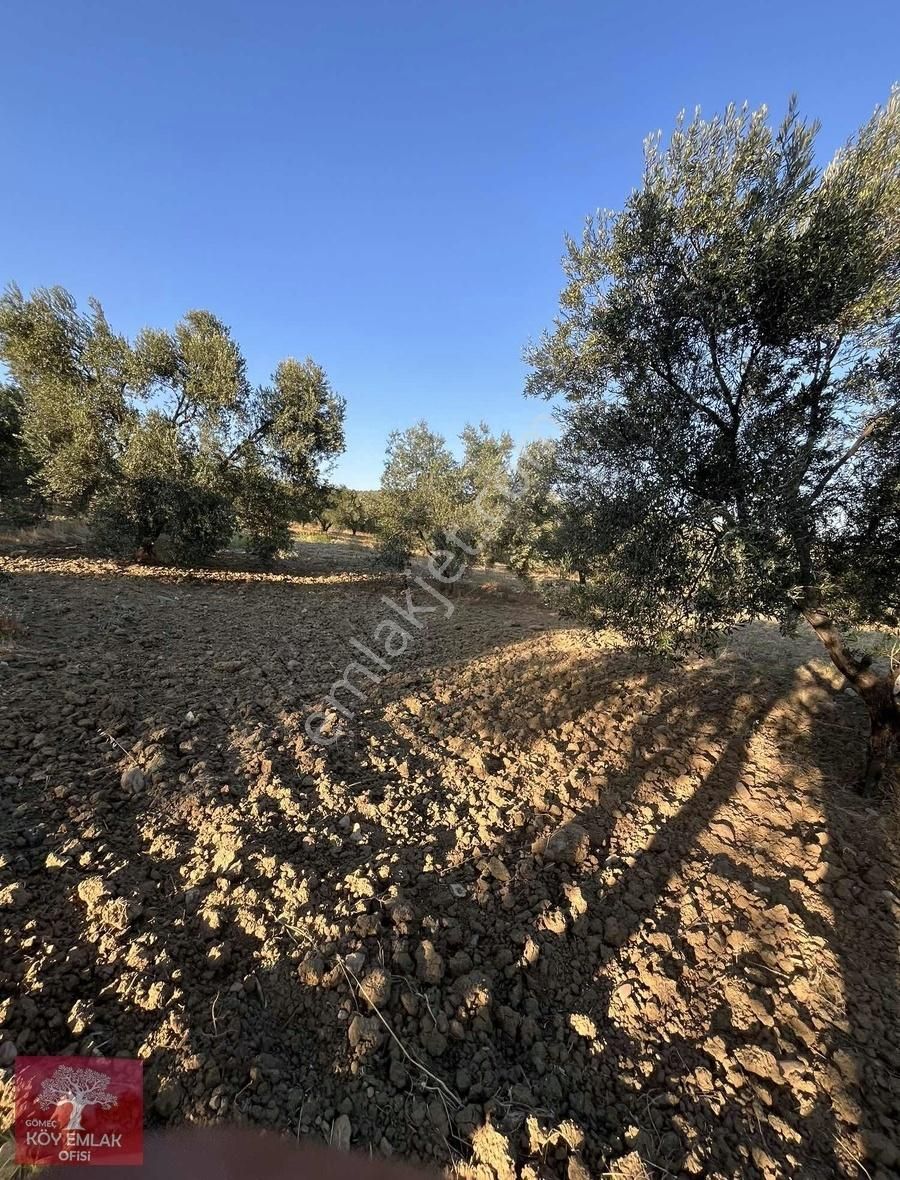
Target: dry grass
<point x="56" y="530"/>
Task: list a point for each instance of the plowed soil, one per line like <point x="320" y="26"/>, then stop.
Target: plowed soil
<point x="551" y="910"/>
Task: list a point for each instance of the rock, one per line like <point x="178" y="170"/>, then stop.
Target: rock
<point x="569" y="845"/>
<point x="498" y="869"/>
<point x="575" y="1169"/>
<point x="312" y="970"/>
<point x="460" y="963"/>
<point x="341" y="1133"/>
<point x="223" y="859"/>
<point x="363" y="1029"/>
<point x="355" y="962"/>
<point x="132" y="779"/>
<point x="376" y="987"/>
<point x="613" y="933"/>
<point x="723" y="831"/>
<point x="584" y="1026"/>
<point x="219" y="954"/>
<point x="468" y="1119"/>
<point x="81" y="1017"/>
<point x="429" y="964"/>
<point x="402" y="914"/>
<point x="119" y="913"/>
<point x="764" y="1161"/>
<point x="760" y="1062"/>
<point x="14" y="896"/>
<point x="8" y="1054"/>
<point x="92" y="890"/>
<point x="168" y="1098"/>
<point x="403" y="962"/>
<point x="435" y="1042"/>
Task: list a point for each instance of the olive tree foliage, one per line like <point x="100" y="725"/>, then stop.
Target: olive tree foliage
<point x="18" y="502"/>
<point x="427" y="493"/>
<point x="164" y="438"/>
<point x="531" y="511"/>
<point x="545" y="525"/>
<point x="421" y="488"/>
<point x="355" y="511"/>
<point x="318" y="507"/>
<point x="486" y="477"/>
<point x="72" y="374"/>
<point x="727" y="356"/>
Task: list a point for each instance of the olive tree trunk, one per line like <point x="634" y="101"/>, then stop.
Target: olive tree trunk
<point x="879" y="692"/>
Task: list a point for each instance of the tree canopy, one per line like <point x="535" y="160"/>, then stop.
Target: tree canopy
<point x="727" y="353"/>
<point x="143" y="433"/>
<point x="355" y="511"/>
<point x="426" y="491"/>
<point x="16" y="465"/>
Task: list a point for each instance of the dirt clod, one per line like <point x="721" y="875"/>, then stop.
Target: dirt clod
<point x="568" y="845"/>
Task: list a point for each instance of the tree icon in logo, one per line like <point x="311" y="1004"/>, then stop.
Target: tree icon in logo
<point x="79" y="1088"/>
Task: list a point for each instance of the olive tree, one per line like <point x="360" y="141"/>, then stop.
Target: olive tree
<point x="528" y="521"/>
<point x="356" y="511"/>
<point x="727" y="355"/>
<point x="17" y="499"/>
<point x="427" y="492"/>
<point x="421" y="488"/>
<point x="545" y="523"/>
<point x="151" y="435"/>
<point x="72" y="375"/>
<point x="485" y="473"/>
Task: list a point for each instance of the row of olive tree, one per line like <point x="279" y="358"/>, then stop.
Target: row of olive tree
<point x="426" y="491"/>
<point x="727" y="364"/>
<point x="344" y="508"/>
<point x="521" y="513"/>
<point x="162" y="440"/>
<point x="727" y="359"/>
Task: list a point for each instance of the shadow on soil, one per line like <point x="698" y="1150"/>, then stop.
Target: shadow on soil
<point x="713" y="986"/>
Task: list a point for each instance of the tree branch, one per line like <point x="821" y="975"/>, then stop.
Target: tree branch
<point x="707" y="411"/>
<point x="720" y="378"/>
<point x="856" y="669"/>
<point x="862" y="438"/>
<point x="251" y="438"/>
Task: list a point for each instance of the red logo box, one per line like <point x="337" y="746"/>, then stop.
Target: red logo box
<point x="79" y="1110"/>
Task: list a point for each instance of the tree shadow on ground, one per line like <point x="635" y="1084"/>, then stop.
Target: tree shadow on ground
<point x="698" y="989"/>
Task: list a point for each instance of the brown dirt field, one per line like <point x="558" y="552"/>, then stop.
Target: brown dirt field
<point x="554" y="911"/>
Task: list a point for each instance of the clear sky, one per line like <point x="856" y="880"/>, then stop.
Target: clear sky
<point x="381" y="184"/>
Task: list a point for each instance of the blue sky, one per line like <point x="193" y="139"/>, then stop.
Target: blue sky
<point x="382" y="185"/>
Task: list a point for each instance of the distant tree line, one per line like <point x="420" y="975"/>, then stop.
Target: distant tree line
<point x="345" y="509"/>
<point x="505" y="507"/>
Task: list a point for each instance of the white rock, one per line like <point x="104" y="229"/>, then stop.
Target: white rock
<point x="132" y="779"/>
<point x="341" y="1132"/>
